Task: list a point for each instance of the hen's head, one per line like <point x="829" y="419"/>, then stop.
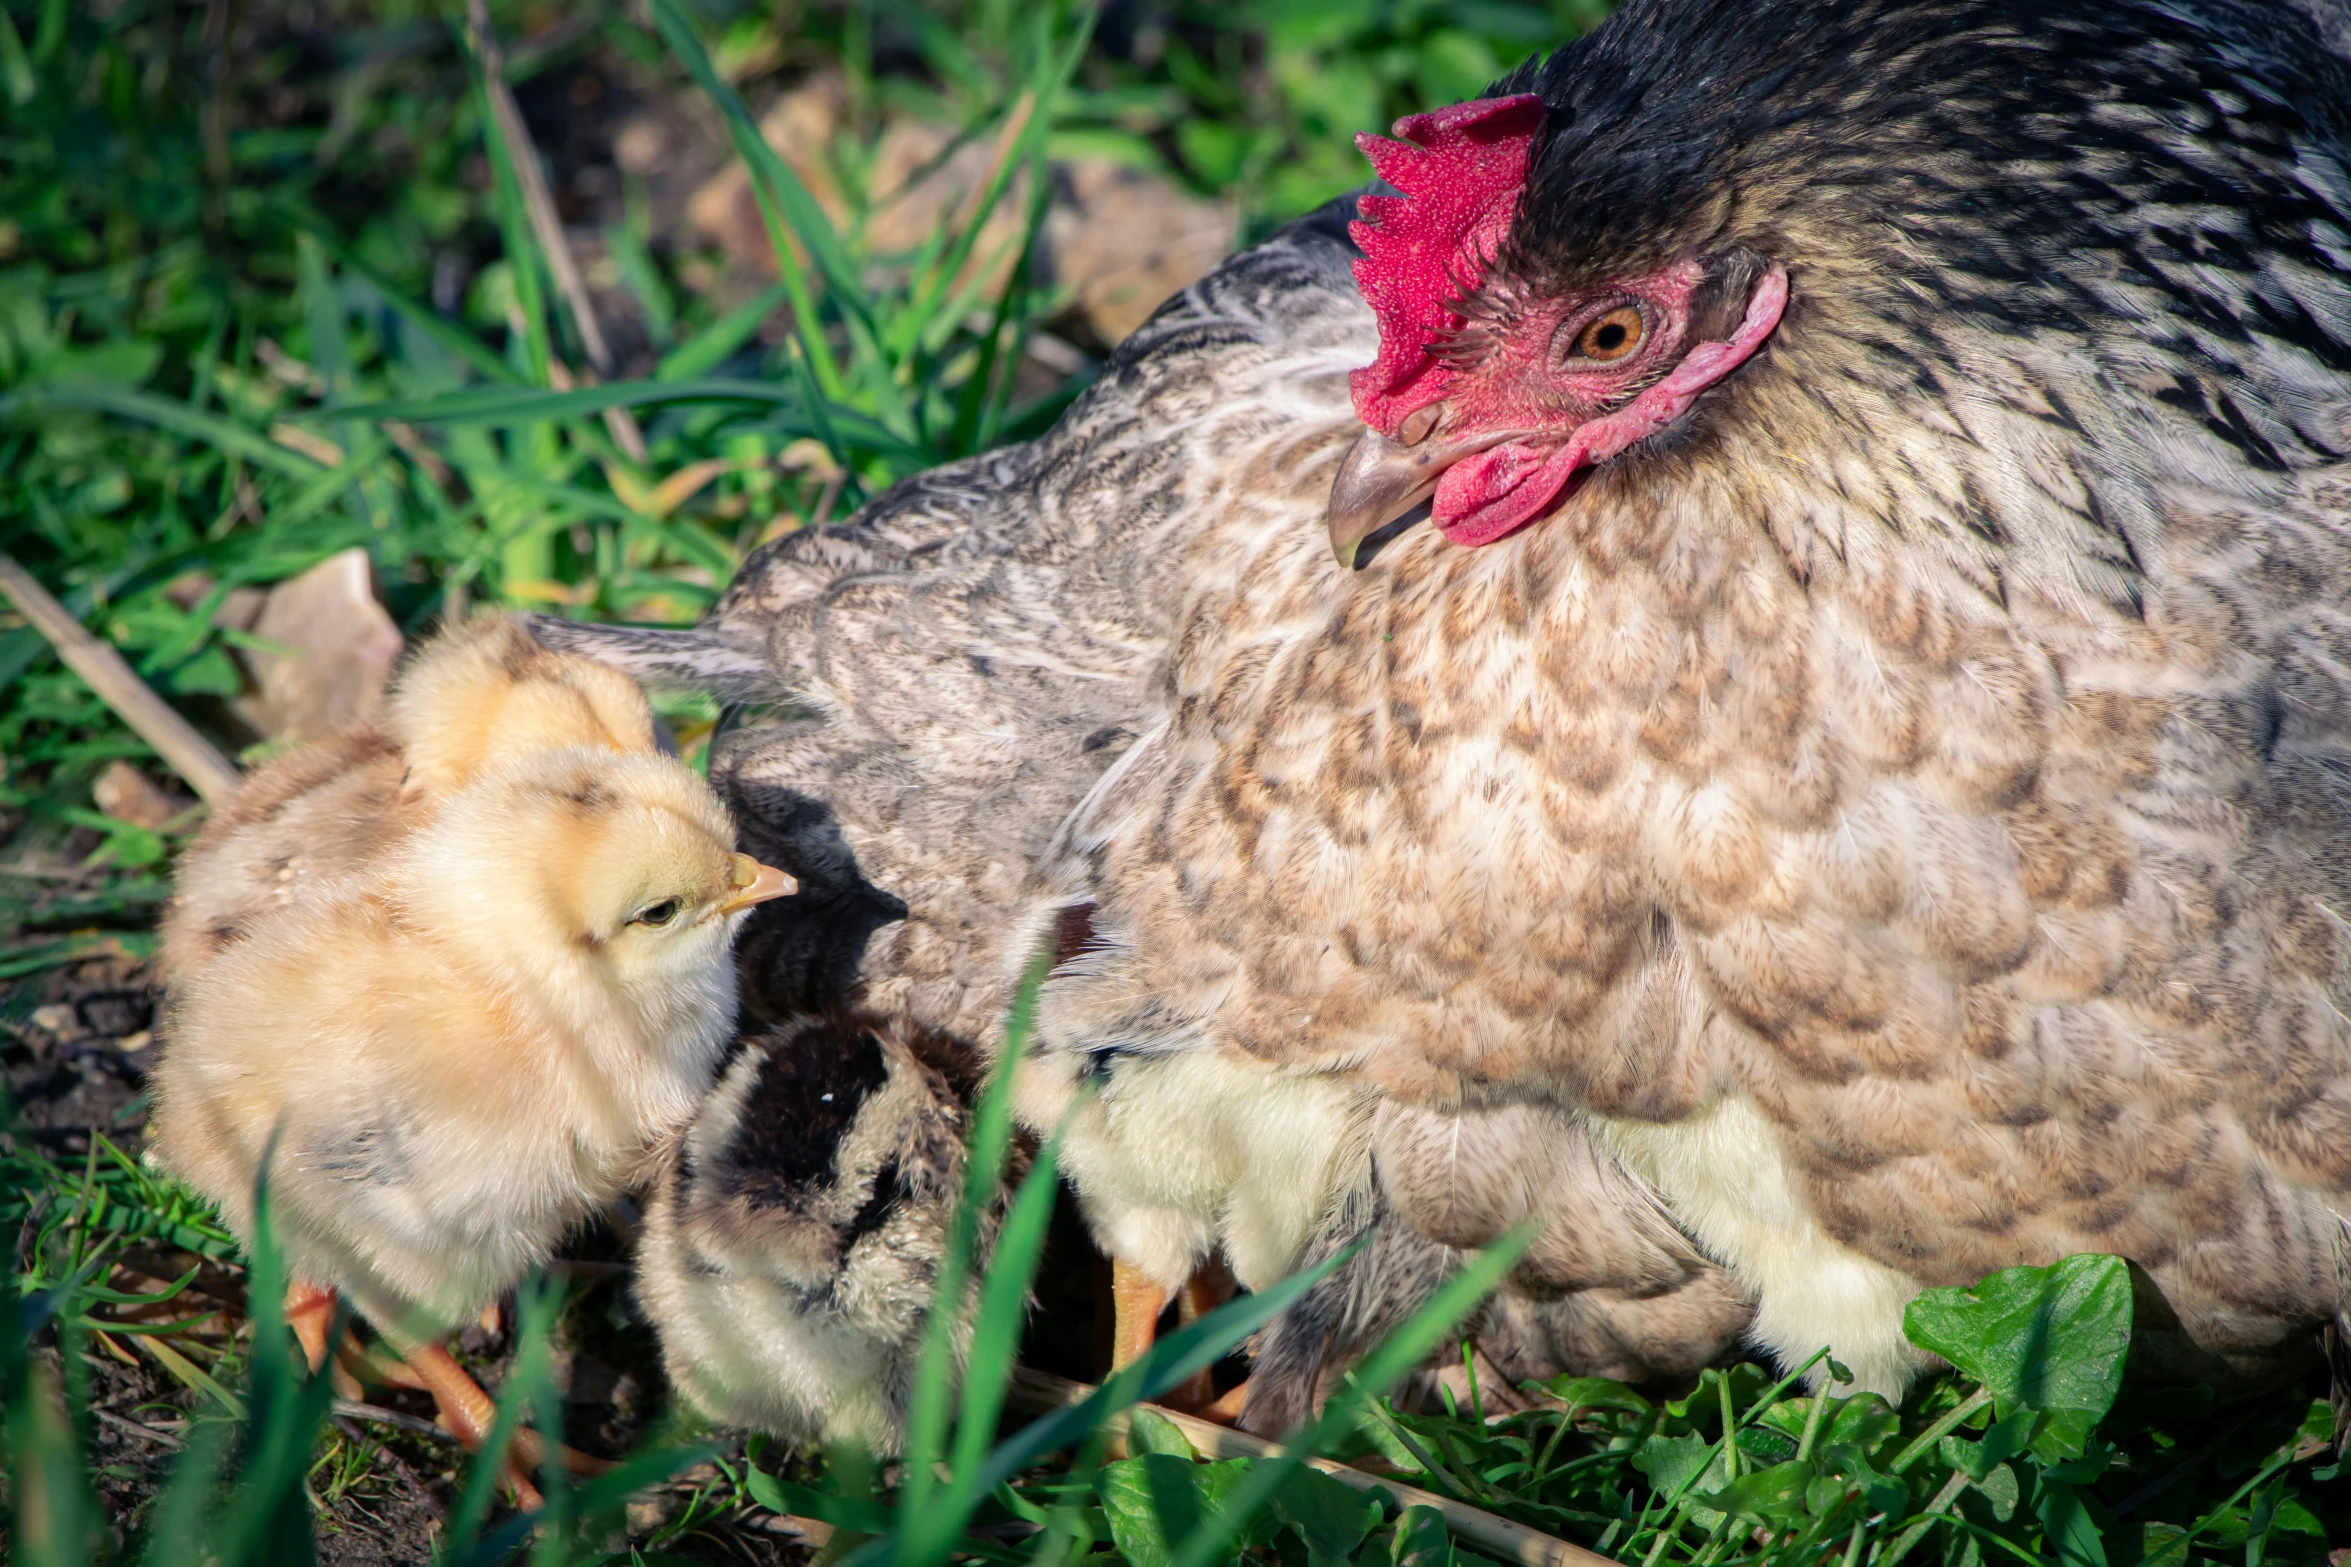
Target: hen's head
<point x="1486" y="391"/>
<point x="1914" y="269"/>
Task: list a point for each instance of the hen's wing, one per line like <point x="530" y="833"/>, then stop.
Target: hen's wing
<point x="972" y="650"/>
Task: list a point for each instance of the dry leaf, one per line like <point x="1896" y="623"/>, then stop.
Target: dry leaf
<point x="340" y="648"/>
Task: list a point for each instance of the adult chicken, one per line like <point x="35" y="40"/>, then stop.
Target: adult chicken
<point x="1851" y="791"/>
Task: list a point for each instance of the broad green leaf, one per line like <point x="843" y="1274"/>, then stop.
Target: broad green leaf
<point x="1827" y="1493"/>
<point x="2049" y="1339"/>
<point x="1331" y="1517"/>
<point x="1421" y="1539"/>
<point x="2163" y="1545"/>
<point x="1580" y="1393"/>
<point x="1158" y="1502"/>
<point x="2000" y="1488"/>
<point x="2004" y="1441"/>
<point x="2070" y="1534"/>
<point x="1882" y="1492"/>
<point x="1775" y="1496"/>
<point x="1767" y="1445"/>
<point x="1864" y="1421"/>
<point x="1149" y="1431"/>
<point x="1675" y="1464"/>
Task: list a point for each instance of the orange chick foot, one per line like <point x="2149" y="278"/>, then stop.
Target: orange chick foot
<point x="468" y="1414"/>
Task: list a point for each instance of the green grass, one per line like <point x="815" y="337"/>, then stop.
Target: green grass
<point x="216" y="286"/>
<point x="220" y="353"/>
<point x="2028" y="1451"/>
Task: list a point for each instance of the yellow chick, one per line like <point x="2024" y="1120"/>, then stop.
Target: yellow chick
<point x="489" y="689"/>
<point x="475" y="694"/>
<point x="461" y="1049"/>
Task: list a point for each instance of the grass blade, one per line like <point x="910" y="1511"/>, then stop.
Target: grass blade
<point x="168" y="414"/>
<point x="990" y="1143"/>
<point x="711" y="346"/>
<point x="1408" y="1346"/>
<point x="784" y="203"/>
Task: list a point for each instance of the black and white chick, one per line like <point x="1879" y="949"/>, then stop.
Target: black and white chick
<point x="795" y="1230"/>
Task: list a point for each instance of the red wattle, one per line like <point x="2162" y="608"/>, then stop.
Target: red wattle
<point x="1486" y="497"/>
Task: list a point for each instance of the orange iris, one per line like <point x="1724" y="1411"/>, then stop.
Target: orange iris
<point x="1612" y="336"/>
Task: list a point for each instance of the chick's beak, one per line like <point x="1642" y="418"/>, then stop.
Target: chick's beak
<point x="756" y="883"/>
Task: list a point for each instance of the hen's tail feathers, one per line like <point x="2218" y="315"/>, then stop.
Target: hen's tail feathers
<point x="695" y="660"/>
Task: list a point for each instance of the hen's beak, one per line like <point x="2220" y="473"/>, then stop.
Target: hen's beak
<point x="756" y="883"/>
<point x="1380" y="480"/>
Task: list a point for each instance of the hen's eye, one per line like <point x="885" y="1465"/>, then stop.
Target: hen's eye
<point x="657" y="914"/>
<point x="1612" y="336"/>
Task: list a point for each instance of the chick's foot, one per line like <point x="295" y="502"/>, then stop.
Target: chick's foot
<point x="1136" y="1301"/>
<point x="468" y="1414"/>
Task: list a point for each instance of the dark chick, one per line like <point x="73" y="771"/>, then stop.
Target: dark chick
<point x="796" y="1230"/>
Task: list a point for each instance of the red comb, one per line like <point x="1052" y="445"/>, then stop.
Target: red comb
<point x="1460" y="169"/>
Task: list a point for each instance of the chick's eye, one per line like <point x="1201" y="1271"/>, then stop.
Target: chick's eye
<point x="1610" y="337"/>
<point x="657" y="914"/>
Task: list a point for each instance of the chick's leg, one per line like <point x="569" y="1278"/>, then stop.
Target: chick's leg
<point x="469" y="1414"/>
<point x="1136" y="1301"/>
<point x="1209" y="1287"/>
<point x="310" y="1312"/>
